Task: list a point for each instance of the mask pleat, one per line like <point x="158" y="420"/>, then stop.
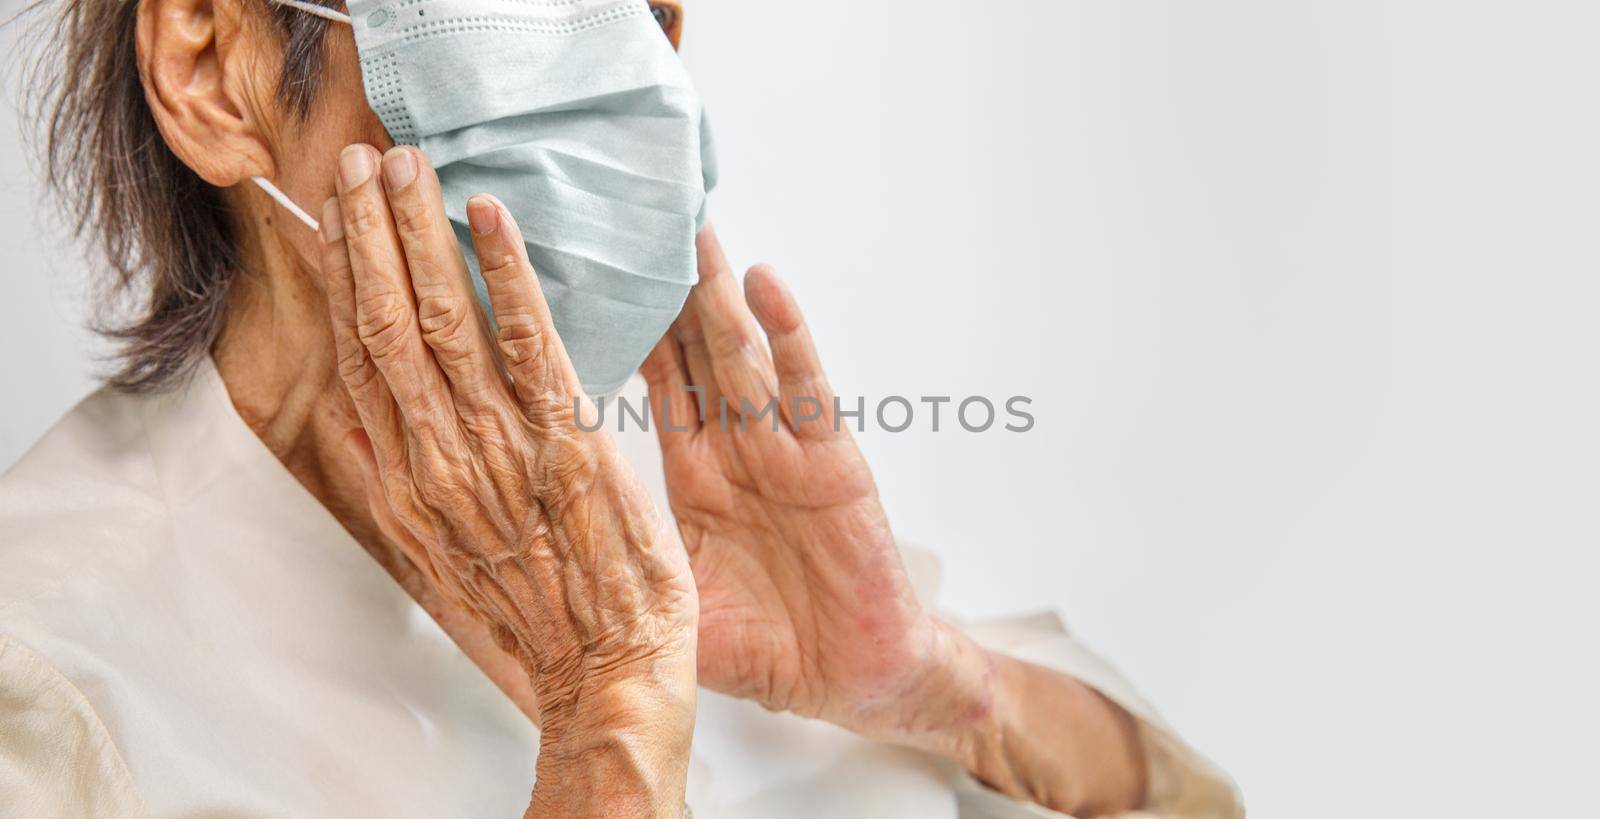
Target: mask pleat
<point x="580" y="118"/>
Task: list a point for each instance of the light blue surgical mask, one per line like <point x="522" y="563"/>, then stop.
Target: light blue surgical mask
<point x="579" y="116"/>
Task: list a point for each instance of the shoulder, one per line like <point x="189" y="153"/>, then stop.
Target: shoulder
<point x="104" y="431"/>
<point x="58" y="758"/>
<point x="77" y="497"/>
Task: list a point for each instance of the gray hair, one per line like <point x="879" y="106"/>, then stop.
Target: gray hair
<point x="165" y="233"/>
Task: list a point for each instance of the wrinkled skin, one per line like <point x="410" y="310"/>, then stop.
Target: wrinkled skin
<point x="540" y="530"/>
<point x="805" y="603"/>
<point x="531" y="545"/>
<point x="798" y="598"/>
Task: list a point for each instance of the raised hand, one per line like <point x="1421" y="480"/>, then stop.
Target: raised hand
<point x="805" y="604"/>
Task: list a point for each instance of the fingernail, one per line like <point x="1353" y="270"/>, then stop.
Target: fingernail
<point x="399" y="168"/>
<point x="482" y="215"/>
<point x="355" y="166"/>
<point x="332" y="220"/>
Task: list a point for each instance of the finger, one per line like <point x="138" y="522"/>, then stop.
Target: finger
<point x="374" y="404"/>
<point x="803" y="389"/>
<point x="386" y="312"/>
<point x="674" y="408"/>
<point x="739" y="358"/>
<point x="383" y="514"/>
<point x="696" y="360"/>
<point x="447" y="310"/>
<point x="540" y="371"/>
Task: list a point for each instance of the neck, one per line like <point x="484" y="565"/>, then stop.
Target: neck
<point x="276" y="358"/>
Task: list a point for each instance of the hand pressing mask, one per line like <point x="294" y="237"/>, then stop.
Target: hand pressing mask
<point x="579" y="116"/>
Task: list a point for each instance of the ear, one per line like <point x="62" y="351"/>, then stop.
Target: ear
<point x="186" y="49"/>
<point x="669" y="13"/>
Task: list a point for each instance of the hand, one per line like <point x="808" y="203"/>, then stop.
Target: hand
<point x="539" y="529"/>
<point x="805" y="604"/>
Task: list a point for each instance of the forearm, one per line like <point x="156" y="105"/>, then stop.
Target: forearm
<point x="1051" y="739"/>
<point x="1030" y="732"/>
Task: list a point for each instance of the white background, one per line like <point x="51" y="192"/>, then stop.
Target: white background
<point x="1304" y="294"/>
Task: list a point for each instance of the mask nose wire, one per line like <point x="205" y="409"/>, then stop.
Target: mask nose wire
<point x="272" y="190"/>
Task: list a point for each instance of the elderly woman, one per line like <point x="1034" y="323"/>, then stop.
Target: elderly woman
<point x="334" y="542"/>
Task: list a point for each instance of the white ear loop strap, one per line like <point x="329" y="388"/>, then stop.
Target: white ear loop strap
<point x="314" y="9"/>
<point x="272" y="190"/>
<point x="283" y="199"/>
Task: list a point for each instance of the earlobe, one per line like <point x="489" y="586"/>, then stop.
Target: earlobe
<point x="183" y="47"/>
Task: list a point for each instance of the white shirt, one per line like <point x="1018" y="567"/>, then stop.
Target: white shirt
<point x="186" y="631"/>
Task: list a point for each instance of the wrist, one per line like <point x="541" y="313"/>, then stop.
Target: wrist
<point x="618" y="745"/>
<point x="947" y="701"/>
<point x="987" y="745"/>
<point x="1024" y="731"/>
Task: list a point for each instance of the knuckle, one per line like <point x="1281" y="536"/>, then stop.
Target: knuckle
<point x="444" y="320"/>
<point x="354" y="367"/>
<point x="411" y="216"/>
<point x="731" y="343"/>
<point x="382" y="321"/>
<point x="749" y="350"/>
<point x="551" y="412"/>
<point x="363" y="217"/>
<point x="500" y="265"/>
<point x="550" y="419"/>
<point x="522" y="342"/>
